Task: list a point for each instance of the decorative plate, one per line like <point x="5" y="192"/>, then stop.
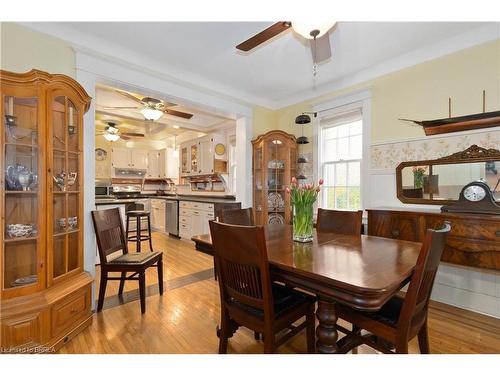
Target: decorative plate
<point x="220" y="149"/>
<point x="24" y="280"/>
<point x="275" y="200"/>
<point x="275" y="218"/>
<point x="100" y="154"/>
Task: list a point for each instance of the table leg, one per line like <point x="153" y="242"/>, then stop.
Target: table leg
<point x="326" y="333"/>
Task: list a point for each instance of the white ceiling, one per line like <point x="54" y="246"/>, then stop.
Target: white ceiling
<point x="204" y="53"/>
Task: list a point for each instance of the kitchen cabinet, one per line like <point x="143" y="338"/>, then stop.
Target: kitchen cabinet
<point x="158" y="214"/>
<point x="204" y="156"/>
<point x="154" y="168"/>
<point x="129" y="158"/>
<point x="194" y="218"/>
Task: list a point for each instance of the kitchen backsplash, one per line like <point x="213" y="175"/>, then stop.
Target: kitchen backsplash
<point x="388" y="155"/>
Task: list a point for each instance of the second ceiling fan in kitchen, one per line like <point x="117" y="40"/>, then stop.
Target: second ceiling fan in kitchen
<point x="151" y="108"/>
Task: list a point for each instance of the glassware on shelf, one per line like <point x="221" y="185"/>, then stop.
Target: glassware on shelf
<point x="71" y="179"/>
<point x="18" y="177"/>
<point x="59" y="179"/>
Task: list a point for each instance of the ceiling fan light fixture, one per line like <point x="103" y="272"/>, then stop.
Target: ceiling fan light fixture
<point x="151" y="114"/>
<point x="111" y="137"/>
<point x="312" y="29"/>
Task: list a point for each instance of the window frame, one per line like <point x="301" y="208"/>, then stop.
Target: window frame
<point x="356" y="101"/>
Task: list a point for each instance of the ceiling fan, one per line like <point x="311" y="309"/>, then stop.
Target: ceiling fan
<point x="317" y="33"/>
<point x="112" y="133"/>
<point x="151" y="108"/>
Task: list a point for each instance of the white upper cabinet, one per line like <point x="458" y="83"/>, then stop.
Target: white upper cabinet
<point x="129" y="158"/>
<point x="121" y="158"/>
<point x="153" y="164"/>
<point x="205" y="155"/>
<point x="139" y="159"/>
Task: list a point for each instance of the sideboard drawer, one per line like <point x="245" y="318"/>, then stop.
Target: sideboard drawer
<point x="70" y="310"/>
<point x="399" y="226"/>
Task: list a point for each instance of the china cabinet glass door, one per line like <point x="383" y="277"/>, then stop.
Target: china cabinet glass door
<point x="22" y="239"/>
<point x="276" y="180"/>
<point x="66" y="188"/>
<point x="258" y="181"/>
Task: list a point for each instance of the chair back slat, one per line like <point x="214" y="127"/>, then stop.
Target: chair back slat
<point x="341" y="222"/>
<point x="237" y="217"/>
<point x="421" y="283"/>
<point x="243" y="271"/>
<point x="109" y="233"/>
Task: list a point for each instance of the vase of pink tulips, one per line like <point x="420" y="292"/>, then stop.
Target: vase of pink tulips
<point x="302" y="198"/>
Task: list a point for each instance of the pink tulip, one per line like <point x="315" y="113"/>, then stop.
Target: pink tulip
<point x="318" y="190"/>
<point x="321" y="181"/>
<point x="288" y="190"/>
<point x="294" y="180"/>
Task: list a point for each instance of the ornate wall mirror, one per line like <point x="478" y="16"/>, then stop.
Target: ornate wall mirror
<point x="440" y="181"/>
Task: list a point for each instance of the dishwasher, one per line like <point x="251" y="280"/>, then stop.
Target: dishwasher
<point x="172" y="217"/>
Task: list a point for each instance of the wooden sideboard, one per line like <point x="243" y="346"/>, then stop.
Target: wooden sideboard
<point x="474" y="239"/>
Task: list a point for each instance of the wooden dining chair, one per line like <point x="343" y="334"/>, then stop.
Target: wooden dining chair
<point x="111" y="242"/>
<point x="248" y="297"/>
<point x="401" y="318"/>
<point x="243" y="216"/>
<point x="341" y="222"/>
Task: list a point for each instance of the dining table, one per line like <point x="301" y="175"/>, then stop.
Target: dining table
<point x="359" y="271"/>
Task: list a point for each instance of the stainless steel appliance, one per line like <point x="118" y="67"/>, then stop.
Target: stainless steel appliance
<point x="172" y="217"/>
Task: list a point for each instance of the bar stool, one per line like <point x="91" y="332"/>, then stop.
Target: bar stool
<point x="138" y="237"/>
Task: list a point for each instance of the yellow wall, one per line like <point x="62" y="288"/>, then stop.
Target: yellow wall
<point x="420" y="92"/>
<point x="23" y="49"/>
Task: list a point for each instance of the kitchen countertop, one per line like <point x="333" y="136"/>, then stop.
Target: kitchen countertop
<point x="181" y="197"/>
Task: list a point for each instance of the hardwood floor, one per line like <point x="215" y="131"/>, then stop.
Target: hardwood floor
<point x="183" y="320"/>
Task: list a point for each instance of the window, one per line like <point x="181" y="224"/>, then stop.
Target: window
<point x="341" y="153"/>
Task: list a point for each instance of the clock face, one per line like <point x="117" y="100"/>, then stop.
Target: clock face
<point x="220" y="149"/>
<point x="474" y="193"/>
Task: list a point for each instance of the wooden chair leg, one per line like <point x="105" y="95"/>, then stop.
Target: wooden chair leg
<point x="355" y="329"/>
<point x="122" y="283"/>
<point x="127" y="230"/>
<point x="142" y="290"/>
<point x="160" y="275"/>
<point x="311" y="331"/>
<point x="149" y="234"/>
<point x="223" y="334"/>
<point x="268" y="343"/>
<point x="138" y="234"/>
<point x="401" y="348"/>
<point x="423" y="339"/>
<point x="102" y="289"/>
<point x="215" y="270"/>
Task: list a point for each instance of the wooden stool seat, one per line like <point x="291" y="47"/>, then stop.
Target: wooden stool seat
<point x="138" y="237"/>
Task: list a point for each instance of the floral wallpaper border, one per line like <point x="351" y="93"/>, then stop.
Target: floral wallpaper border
<point x="388" y="156"/>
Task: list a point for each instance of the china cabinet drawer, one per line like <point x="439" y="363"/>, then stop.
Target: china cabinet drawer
<point x="24" y="330"/>
<point x="70" y="310"/>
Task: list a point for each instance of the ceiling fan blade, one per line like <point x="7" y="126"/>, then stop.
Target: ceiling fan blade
<point x="121" y="107"/>
<point x="173" y="112"/>
<point x="124" y="137"/>
<point x="127" y="95"/>
<point x="320" y="48"/>
<point x="263" y="36"/>
<point x="130" y="134"/>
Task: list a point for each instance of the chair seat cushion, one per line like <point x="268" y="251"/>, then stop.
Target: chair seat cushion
<point x="388" y="314"/>
<point x="135" y="258"/>
<point x="136" y="213"/>
<point x="284" y="298"/>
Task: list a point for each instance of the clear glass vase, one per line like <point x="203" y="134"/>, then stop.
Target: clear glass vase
<point x="303" y="223"/>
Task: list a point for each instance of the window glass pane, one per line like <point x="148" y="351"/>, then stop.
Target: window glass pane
<point x="329" y="197"/>
<point x="341" y="198"/>
<point x="343" y="149"/>
<point x="329" y="173"/>
<point x="354" y="198"/>
<point x="341" y="175"/>
<point x="355" y="128"/>
<point x="329" y="133"/>
<point x="343" y="130"/>
<point x="354" y="174"/>
<point x="355" y="147"/>
<point x="330" y="150"/>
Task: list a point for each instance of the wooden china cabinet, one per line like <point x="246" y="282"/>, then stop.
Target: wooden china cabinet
<point x="45" y="293"/>
<point x="274" y="165"/>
